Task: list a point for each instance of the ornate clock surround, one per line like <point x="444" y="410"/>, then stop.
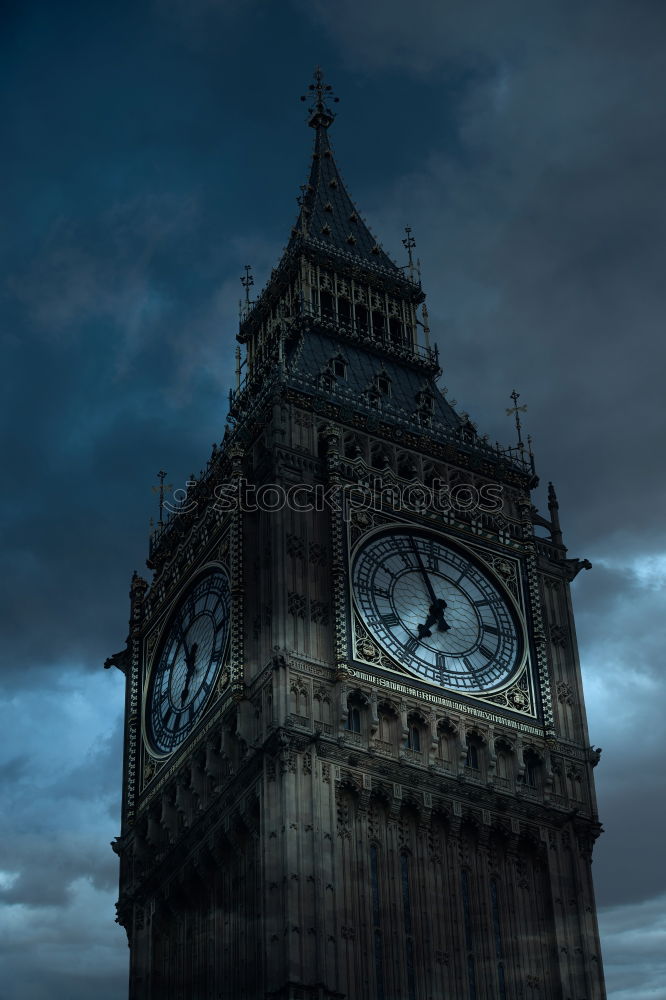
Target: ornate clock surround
<point x="520" y="694"/>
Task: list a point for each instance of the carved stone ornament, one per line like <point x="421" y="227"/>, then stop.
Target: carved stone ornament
<point x="151" y="766"/>
<point x="565" y="693"/>
<point x="559" y="635"/>
<point x="518" y="697"/>
<point x="367" y="650"/>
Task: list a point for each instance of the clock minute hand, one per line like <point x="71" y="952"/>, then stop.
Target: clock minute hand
<point x="425" y="576"/>
<point x="436" y="609"/>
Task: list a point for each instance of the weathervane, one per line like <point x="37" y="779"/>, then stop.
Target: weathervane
<point x="409" y="243"/>
<point x="246" y="281"/>
<point x="161" y="475"/>
<point x="321" y="115"/>
<point x="515" y="410"/>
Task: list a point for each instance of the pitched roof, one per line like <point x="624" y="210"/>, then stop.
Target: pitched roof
<point x="312" y="358"/>
<point x="328" y="217"/>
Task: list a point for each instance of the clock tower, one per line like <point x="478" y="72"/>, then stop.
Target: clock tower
<point x="356" y="755"/>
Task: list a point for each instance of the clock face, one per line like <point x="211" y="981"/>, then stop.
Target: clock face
<point x="436" y="611"/>
<point x="189" y="659"/>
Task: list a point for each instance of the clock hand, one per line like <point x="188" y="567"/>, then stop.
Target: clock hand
<point x="425" y="576"/>
<point x="190" y="658"/>
<point x="436" y="610"/>
<point x="184" y="642"/>
<point x="436" y="616"/>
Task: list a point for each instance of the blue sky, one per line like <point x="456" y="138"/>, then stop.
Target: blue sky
<point x="150" y="150"/>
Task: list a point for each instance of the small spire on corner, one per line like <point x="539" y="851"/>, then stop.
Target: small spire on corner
<point x="321" y="116"/>
<point x="409" y="243"/>
<point x="554" y="511"/>
<point x="161" y="490"/>
<point x="247" y="280"/>
<point x="516" y="410"/>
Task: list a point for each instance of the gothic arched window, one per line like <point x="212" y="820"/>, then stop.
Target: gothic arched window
<point x="414" y="737"/>
<point x="503" y="762"/>
<point x="447" y="745"/>
<point x="356" y="706"/>
<point x="354" y="719"/>
<point x="416" y="728"/>
<point x="388" y="728"/>
<point x="532" y="769"/>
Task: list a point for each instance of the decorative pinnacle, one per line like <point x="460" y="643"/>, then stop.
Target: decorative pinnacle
<point x="321" y="115"/>
<point x="409" y="243"/>
<point x="515" y="409"/>
<point x="246" y="281"/>
<point x="161" y="489"/>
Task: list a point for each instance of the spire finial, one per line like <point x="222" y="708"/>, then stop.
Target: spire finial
<point x="247" y="281"/>
<point x="161" y="489"/>
<point x="515" y="409"/>
<point x="409" y="243"/>
<point x="321" y="115"/>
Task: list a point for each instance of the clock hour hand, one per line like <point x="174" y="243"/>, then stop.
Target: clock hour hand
<point x="435" y="617"/>
<point x="190" y="659"/>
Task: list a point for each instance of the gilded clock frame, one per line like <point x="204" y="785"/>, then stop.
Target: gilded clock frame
<point x="517" y="693"/>
<point x="153" y="642"/>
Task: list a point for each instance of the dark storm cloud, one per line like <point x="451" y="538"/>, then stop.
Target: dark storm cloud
<point x="153" y="152"/>
<point x="545" y="271"/>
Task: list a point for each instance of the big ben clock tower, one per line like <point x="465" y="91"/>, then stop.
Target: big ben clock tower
<point x="357" y="764"/>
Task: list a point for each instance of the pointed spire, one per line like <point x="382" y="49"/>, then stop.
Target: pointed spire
<point x="328" y="217"/>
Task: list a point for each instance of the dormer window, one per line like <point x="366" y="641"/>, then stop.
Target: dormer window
<point x="339" y="367"/>
<point x="426" y="403"/>
<point x="383" y="384"/>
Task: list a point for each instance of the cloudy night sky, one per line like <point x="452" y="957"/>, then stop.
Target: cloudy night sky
<point x="153" y="148"/>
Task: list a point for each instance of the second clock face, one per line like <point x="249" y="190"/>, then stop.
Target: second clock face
<point x="436" y="611"/>
<point x="190" y="657"/>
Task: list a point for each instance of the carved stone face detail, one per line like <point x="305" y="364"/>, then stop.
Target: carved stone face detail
<point x="436" y="611"/>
